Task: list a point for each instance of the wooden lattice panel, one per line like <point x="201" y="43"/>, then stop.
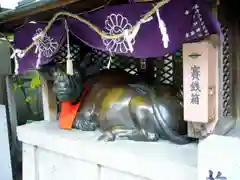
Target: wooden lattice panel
<point x="62" y="53"/>
<point x="166" y="69"/>
<point x="128" y="64"/>
<point x="163" y="67"/>
<point x="226" y="74"/>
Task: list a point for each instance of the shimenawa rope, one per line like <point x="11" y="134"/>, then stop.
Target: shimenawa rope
<point x="95" y="28"/>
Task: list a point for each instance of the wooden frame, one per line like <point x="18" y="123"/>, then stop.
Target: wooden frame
<point x="49" y="100"/>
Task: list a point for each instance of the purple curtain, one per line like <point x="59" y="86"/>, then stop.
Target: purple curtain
<point x="180" y="22"/>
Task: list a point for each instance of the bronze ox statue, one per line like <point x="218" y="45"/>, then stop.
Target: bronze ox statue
<point x="121" y="106"/>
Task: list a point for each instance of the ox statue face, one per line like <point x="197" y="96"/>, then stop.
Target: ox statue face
<point x="65" y="86"/>
<point x="69" y="87"/>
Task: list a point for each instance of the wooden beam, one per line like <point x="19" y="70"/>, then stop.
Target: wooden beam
<point x="44" y="13"/>
<point x="32" y="11"/>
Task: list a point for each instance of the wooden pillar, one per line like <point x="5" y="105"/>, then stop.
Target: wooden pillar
<point x="200" y="87"/>
<point x="236" y="72"/>
<point x="49" y="100"/>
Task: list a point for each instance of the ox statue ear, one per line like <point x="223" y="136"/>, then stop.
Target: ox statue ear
<point x="86" y="61"/>
<point x="47" y="70"/>
<point x="94" y="69"/>
<point x="89" y="67"/>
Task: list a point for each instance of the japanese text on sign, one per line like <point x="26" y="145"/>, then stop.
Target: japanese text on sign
<point x="195" y="85"/>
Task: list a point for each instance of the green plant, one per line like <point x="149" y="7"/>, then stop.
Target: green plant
<point x="36" y="82"/>
<point x="19" y="84"/>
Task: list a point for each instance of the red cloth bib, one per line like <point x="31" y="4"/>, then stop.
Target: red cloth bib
<point x="69" y="111"/>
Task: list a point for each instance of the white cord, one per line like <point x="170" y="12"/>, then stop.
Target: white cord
<point x="17" y="53"/>
<point x="109" y="60"/>
<point x="69" y="62"/>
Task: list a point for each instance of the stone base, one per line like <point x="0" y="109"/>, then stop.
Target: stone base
<point x="51" y="153"/>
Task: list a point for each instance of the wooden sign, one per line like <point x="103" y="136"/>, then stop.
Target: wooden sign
<point x="199" y="81"/>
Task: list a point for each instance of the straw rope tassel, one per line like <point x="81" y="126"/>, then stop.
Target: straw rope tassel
<point x="163" y="30"/>
<point x="69" y="63"/>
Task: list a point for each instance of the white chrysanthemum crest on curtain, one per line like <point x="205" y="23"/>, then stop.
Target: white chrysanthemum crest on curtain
<point x="115" y="24"/>
<point x="45" y="45"/>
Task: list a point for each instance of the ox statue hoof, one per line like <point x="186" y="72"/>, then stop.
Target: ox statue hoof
<point x="85" y="125"/>
<point x="107" y="136"/>
<point x="147" y="136"/>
